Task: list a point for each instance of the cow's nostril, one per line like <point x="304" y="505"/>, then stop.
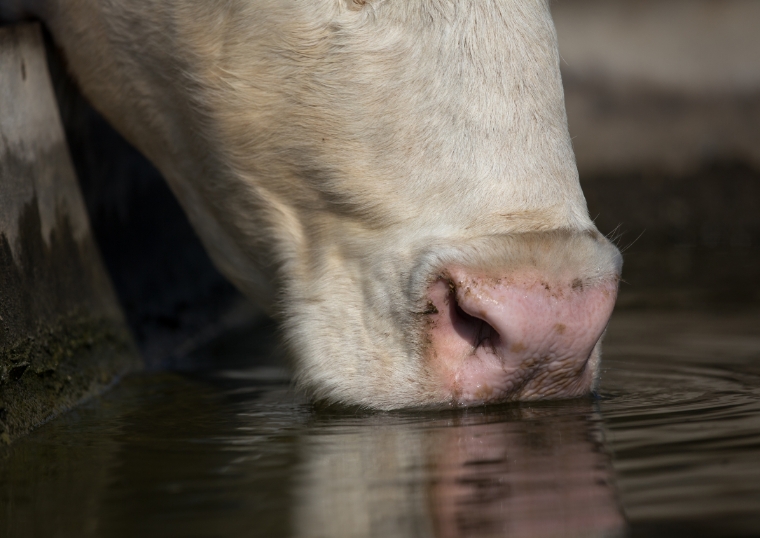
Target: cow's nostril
<point x="475" y="330"/>
<point x="515" y="336"/>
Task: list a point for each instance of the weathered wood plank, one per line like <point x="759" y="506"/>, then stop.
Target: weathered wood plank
<point x="62" y="333"/>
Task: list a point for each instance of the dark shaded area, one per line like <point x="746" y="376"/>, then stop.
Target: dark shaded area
<point x="727" y="527"/>
<point x="165" y="281"/>
<point x="252" y="344"/>
<point x="692" y="238"/>
<point x="715" y="207"/>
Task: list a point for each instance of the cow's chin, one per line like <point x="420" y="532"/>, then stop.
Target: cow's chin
<point x="488" y="382"/>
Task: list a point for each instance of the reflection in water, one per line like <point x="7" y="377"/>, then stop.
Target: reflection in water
<point x="165" y="456"/>
<point x="234" y="454"/>
<point x="516" y="472"/>
<point x="523" y="479"/>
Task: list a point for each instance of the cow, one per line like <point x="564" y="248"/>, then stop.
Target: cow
<point x="392" y="180"/>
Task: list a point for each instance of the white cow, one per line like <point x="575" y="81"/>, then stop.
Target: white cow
<point x="392" y="179"/>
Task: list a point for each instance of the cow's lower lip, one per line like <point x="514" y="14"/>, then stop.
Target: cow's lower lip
<point x="484" y="379"/>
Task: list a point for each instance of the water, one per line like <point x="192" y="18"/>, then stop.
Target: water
<point x="671" y="447"/>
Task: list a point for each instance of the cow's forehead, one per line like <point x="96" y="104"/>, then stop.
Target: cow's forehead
<point x="423" y="110"/>
<point x="469" y="110"/>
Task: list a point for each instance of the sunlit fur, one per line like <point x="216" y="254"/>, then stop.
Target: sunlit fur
<point x="332" y="153"/>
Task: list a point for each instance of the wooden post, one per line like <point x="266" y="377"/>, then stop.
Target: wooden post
<point x="63" y="337"/>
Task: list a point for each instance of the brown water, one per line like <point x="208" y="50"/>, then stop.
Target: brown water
<point x="670" y="447"/>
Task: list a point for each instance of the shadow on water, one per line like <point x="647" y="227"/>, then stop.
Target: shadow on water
<point x="226" y="449"/>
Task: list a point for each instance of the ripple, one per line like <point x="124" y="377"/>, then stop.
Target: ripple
<point x="672" y="443"/>
<point x="683" y="425"/>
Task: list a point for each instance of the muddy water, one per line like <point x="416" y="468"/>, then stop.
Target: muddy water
<point x="670" y="447"/>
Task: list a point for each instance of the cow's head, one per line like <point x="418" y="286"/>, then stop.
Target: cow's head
<point x="393" y="179"/>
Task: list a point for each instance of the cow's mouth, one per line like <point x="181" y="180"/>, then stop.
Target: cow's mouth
<point x="515" y="337"/>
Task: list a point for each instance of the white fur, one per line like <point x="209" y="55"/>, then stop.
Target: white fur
<point x="333" y="153"/>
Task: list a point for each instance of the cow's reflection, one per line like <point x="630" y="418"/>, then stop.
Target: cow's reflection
<point x="516" y="472"/>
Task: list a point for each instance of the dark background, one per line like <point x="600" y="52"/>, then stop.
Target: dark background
<point x="663" y="101"/>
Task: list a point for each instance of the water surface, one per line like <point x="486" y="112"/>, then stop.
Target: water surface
<point x="670" y="447"/>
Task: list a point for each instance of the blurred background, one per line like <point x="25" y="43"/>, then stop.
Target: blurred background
<point x="663" y="101"/>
